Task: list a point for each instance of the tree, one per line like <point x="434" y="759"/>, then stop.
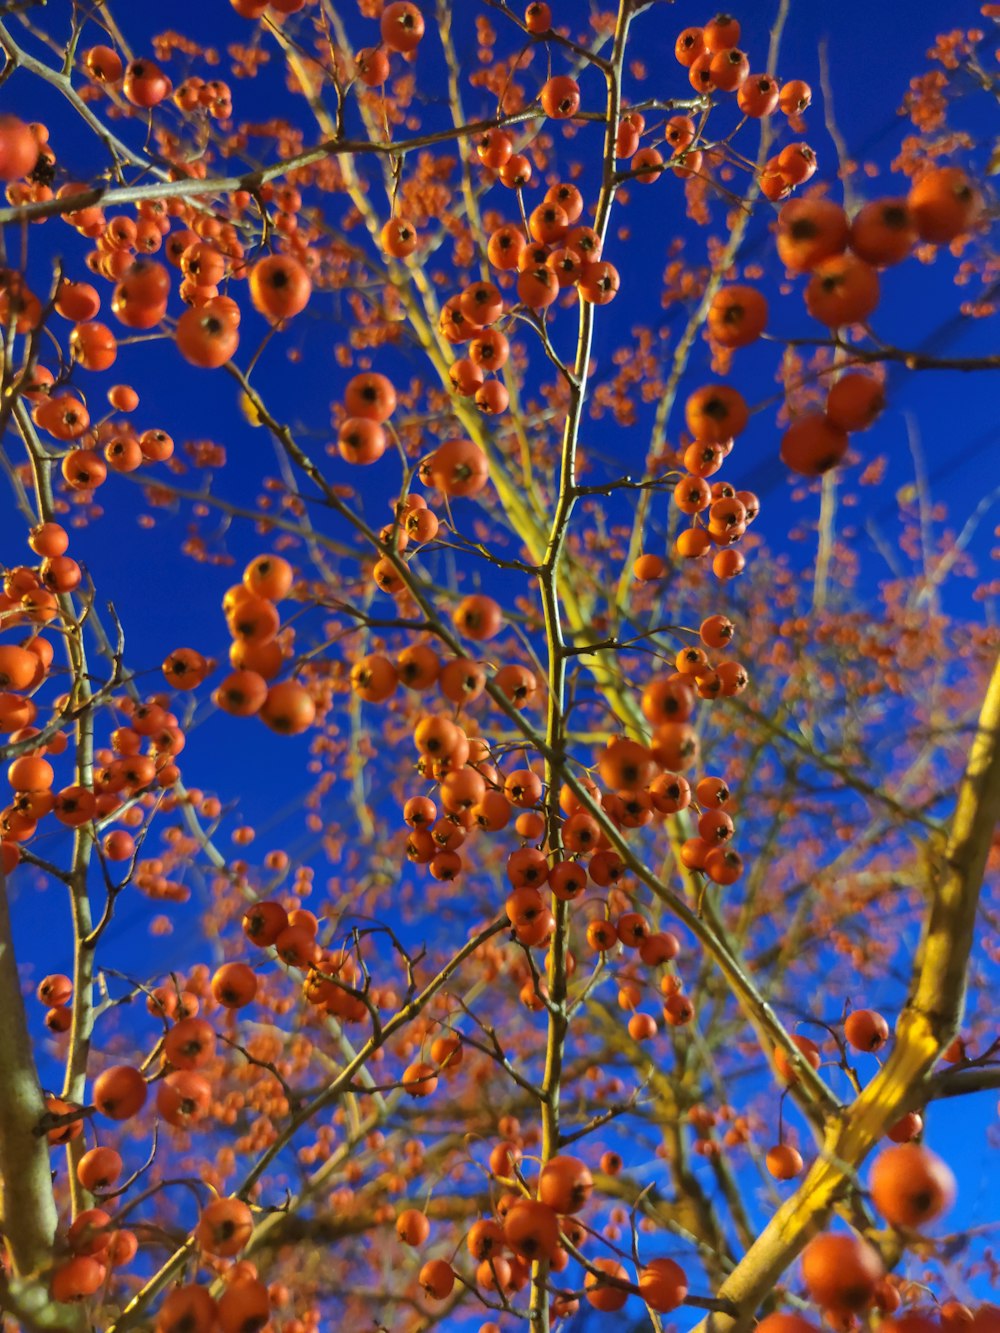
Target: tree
<point x="649" y="811"/>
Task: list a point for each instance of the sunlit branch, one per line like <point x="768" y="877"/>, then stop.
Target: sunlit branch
<point x="929" y="1019"/>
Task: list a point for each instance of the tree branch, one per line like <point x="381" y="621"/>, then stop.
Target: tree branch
<point x="928" y="1021"/>
<point x="27" y="1205"/>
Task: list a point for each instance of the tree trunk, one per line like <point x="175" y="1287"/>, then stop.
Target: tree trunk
<point x="27" y="1206"/>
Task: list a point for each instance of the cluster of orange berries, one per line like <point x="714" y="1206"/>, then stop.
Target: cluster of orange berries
<point x="864" y="1031"/>
<point x="715" y="414"/>
<point x="144" y="84"/>
<point x="558" y="253"/>
<point x="473" y="794"/>
<point x="845" y="1276"/>
<point x="330" y="975"/>
<point x="94" y="1244"/>
<point x="56" y="992"/>
<point x="531" y="1222"/>
<point x="640" y="783"/>
<point x="184" y="1100"/>
<point x="704" y="1119"/>
<point x="143" y="753"/>
<point x="401" y="28"/>
<point x="92" y="1239"/>
<point x="654" y="949"/>
<point x="329" y="984"/>
<point x="255" y="653"/>
<point x="27" y="159"/>
<point x="184" y="1096"/>
<point x="455" y="468"/>
<point x="370" y="401"/>
<point x="30" y="598"/>
<point x="715" y="64"/>
<point x="243" y="1306"/>
<point x="668" y="703"/>
<point x="482" y="304"/>
<point x="842" y="257"/>
<point x="207" y="333"/>
<point x="206" y="253"/>
<point x="414" y="522"/>
<point x="113" y="445"/>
